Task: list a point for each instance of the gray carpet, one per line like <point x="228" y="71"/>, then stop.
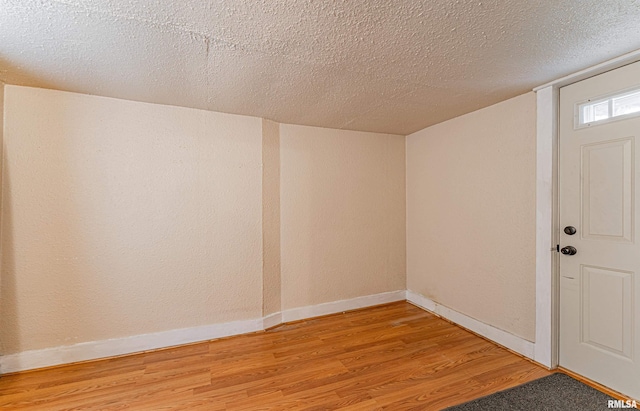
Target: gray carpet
<point x="554" y="392"/>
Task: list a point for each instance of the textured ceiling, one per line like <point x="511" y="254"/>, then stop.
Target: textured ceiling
<point x="373" y="65"/>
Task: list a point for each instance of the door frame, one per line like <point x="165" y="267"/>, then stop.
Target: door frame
<point x="547" y="207"/>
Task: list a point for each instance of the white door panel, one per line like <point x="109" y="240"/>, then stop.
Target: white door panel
<point x="599" y="287"/>
<point x="607" y="190"/>
<point x="606" y="295"/>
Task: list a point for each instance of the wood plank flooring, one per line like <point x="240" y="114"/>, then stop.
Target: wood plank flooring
<point x="390" y="357"/>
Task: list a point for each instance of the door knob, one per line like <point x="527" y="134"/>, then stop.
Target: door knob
<point x="568" y="250"/>
<point x="570" y="230"/>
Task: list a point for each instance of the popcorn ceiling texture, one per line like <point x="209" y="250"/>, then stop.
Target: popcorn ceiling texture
<point x="372" y="65"/>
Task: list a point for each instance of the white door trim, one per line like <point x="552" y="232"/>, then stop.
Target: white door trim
<point x="546" y="173"/>
<point x="547" y="299"/>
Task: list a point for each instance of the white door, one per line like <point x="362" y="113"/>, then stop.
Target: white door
<point x="599" y="186"/>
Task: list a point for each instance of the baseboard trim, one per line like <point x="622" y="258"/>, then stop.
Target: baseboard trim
<point x="48" y="357"/>
<point x="334" y="307"/>
<point x="272" y="320"/>
<point x="87" y="351"/>
<point x="513" y="342"/>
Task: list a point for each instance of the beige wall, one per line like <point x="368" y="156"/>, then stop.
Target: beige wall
<point x="1" y="108"/>
<point x="2" y="86"/>
<point x="342" y="214"/>
<point x="123" y="218"/>
<point x="471" y="214"/>
<point x="271" y="216"/>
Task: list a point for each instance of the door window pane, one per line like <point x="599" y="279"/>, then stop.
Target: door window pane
<point x="626" y="104"/>
<point x="622" y="104"/>
<point x="595" y="112"/>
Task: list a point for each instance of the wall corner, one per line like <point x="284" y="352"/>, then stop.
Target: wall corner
<point x="271" y="281"/>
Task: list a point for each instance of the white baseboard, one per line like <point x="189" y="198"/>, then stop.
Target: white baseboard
<point x="29" y="360"/>
<point x="333" y="307"/>
<point x="272" y="320"/>
<point x="504" y="338"/>
<point x="48" y="357"/>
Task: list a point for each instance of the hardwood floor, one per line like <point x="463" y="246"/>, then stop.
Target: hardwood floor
<point x="391" y="357"/>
